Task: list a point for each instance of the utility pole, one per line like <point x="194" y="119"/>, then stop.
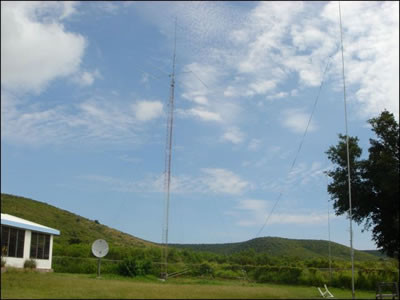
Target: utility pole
<point x="167" y="172"/>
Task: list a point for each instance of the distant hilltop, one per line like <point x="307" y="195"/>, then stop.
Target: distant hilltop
<point x="77" y="229"/>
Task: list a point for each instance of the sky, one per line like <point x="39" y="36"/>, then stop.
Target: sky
<point x="84" y="93"/>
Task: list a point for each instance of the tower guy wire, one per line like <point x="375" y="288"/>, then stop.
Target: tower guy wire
<point x="300" y="145"/>
<point x="348" y="160"/>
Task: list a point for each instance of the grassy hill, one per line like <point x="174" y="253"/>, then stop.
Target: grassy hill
<point x="72" y="226"/>
<point x="276" y="246"/>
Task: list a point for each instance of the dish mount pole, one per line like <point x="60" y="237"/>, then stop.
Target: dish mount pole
<point x="167" y="172"/>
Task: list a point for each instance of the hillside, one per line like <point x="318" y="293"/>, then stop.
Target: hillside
<point x="73" y="227"/>
<point x="76" y="228"/>
<point x="276" y="246"/>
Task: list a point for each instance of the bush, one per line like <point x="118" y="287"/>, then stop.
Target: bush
<point x="30" y="264"/>
<point x="289" y="275"/>
<point x="133" y="267"/>
<point x="228" y="274"/>
<point x="203" y="269"/>
<point x="3" y="262"/>
<point x="75" y="265"/>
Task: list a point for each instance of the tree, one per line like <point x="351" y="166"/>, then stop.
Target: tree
<point x="374" y="182"/>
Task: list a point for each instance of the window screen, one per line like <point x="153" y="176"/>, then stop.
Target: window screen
<point x="40" y="245"/>
<point x="12" y="241"/>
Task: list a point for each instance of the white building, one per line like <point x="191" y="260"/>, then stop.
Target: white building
<point x="22" y="240"/>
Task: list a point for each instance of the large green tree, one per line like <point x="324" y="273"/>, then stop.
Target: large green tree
<point x="374" y="182"/>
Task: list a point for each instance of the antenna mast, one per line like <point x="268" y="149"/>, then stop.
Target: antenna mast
<point x="167" y="172"/>
<point x="348" y="163"/>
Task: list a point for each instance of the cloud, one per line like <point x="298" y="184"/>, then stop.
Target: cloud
<point x="279" y="95"/>
<point x="303" y="174"/>
<point x="371" y="53"/>
<point x="253" y="213"/>
<point x="93" y="120"/>
<point x="296" y="120"/>
<point x="200" y="113"/>
<point x="277" y="42"/>
<point x="211" y="181"/>
<point x="254" y="144"/>
<point x="148" y="110"/>
<point x="224" y="181"/>
<point x="300" y="175"/>
<point x="233" y="135"/>
<point x="86" y="78"/>
<point x="262" y="87"/>
<point x="35" y="47"/>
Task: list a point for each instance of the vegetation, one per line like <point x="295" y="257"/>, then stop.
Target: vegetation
<point x="132" y="267"/>
<point x="262" y="260"/>
<point x="30" y="264"/>
<point x="74" y="228"/>
<point x="18" y="285"/>
<point x="374" y="182"/>
<point x="278" y="247"/>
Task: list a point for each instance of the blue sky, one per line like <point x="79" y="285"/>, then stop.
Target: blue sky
<point x="84" y="88"/>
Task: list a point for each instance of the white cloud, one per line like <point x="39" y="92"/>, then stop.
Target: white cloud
<point x="35" y="47"/>
<point x="198" y="82"/>
<point x="107" y="7"/>
<point x="148" y="110"/>
<point x="254" y="144"/>
<point x="275" y="42"/>
<point x="301" y="174"/>
<point x="278" y="95"/>
<point x="212" y="181"/>
<point x="224" y="181"/>
<point x="254" y="212"/>
<point x="233" y="135"/>
<point x="371" y="49"/>
<point x="87" y="78"/>
<point x="262" y="87"/>
<point x="93" y="120"/>
<point x="230" y="91"/>
<point x="296" y="120"/>
<point x="201" y="114"/>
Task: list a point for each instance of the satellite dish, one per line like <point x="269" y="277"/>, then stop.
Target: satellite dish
<point x="100" y="248"/>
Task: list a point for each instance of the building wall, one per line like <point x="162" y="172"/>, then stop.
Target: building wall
<point x="18" y="262"/>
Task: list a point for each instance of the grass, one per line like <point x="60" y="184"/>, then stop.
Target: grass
<point x="33" y="285"/>
<point x="70" y="224"/>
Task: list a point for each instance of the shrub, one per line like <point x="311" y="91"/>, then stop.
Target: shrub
<point x="229" y="274"/>
<point x="278" y="274"/>
<point x="3" y="262"/>
<point x="30" y="264"/>
<point x="75" y="265"/>
<point x="133" y="267"/>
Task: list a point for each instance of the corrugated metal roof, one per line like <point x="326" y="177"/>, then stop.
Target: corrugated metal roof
<point x="25" y="224"/>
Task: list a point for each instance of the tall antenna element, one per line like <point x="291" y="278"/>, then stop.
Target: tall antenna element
<point x="348" y="163"/>
<point x="167" y="173"/>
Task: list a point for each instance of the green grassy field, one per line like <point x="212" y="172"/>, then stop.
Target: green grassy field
<point x="28" y="284"/>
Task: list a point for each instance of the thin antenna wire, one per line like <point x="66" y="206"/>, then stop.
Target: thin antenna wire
<point x="168" y="160"/>
<point x="348" y="161"/>
<point x="300" y="145"/>
<point x="198" y="78"/>
<point x="329" y="239"/>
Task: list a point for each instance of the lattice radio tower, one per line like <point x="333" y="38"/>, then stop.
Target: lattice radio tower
<point x="167" y="172"/>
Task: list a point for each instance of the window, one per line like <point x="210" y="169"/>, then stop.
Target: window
<point x="12" y="241"/>
<point x="40" y="245"/>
